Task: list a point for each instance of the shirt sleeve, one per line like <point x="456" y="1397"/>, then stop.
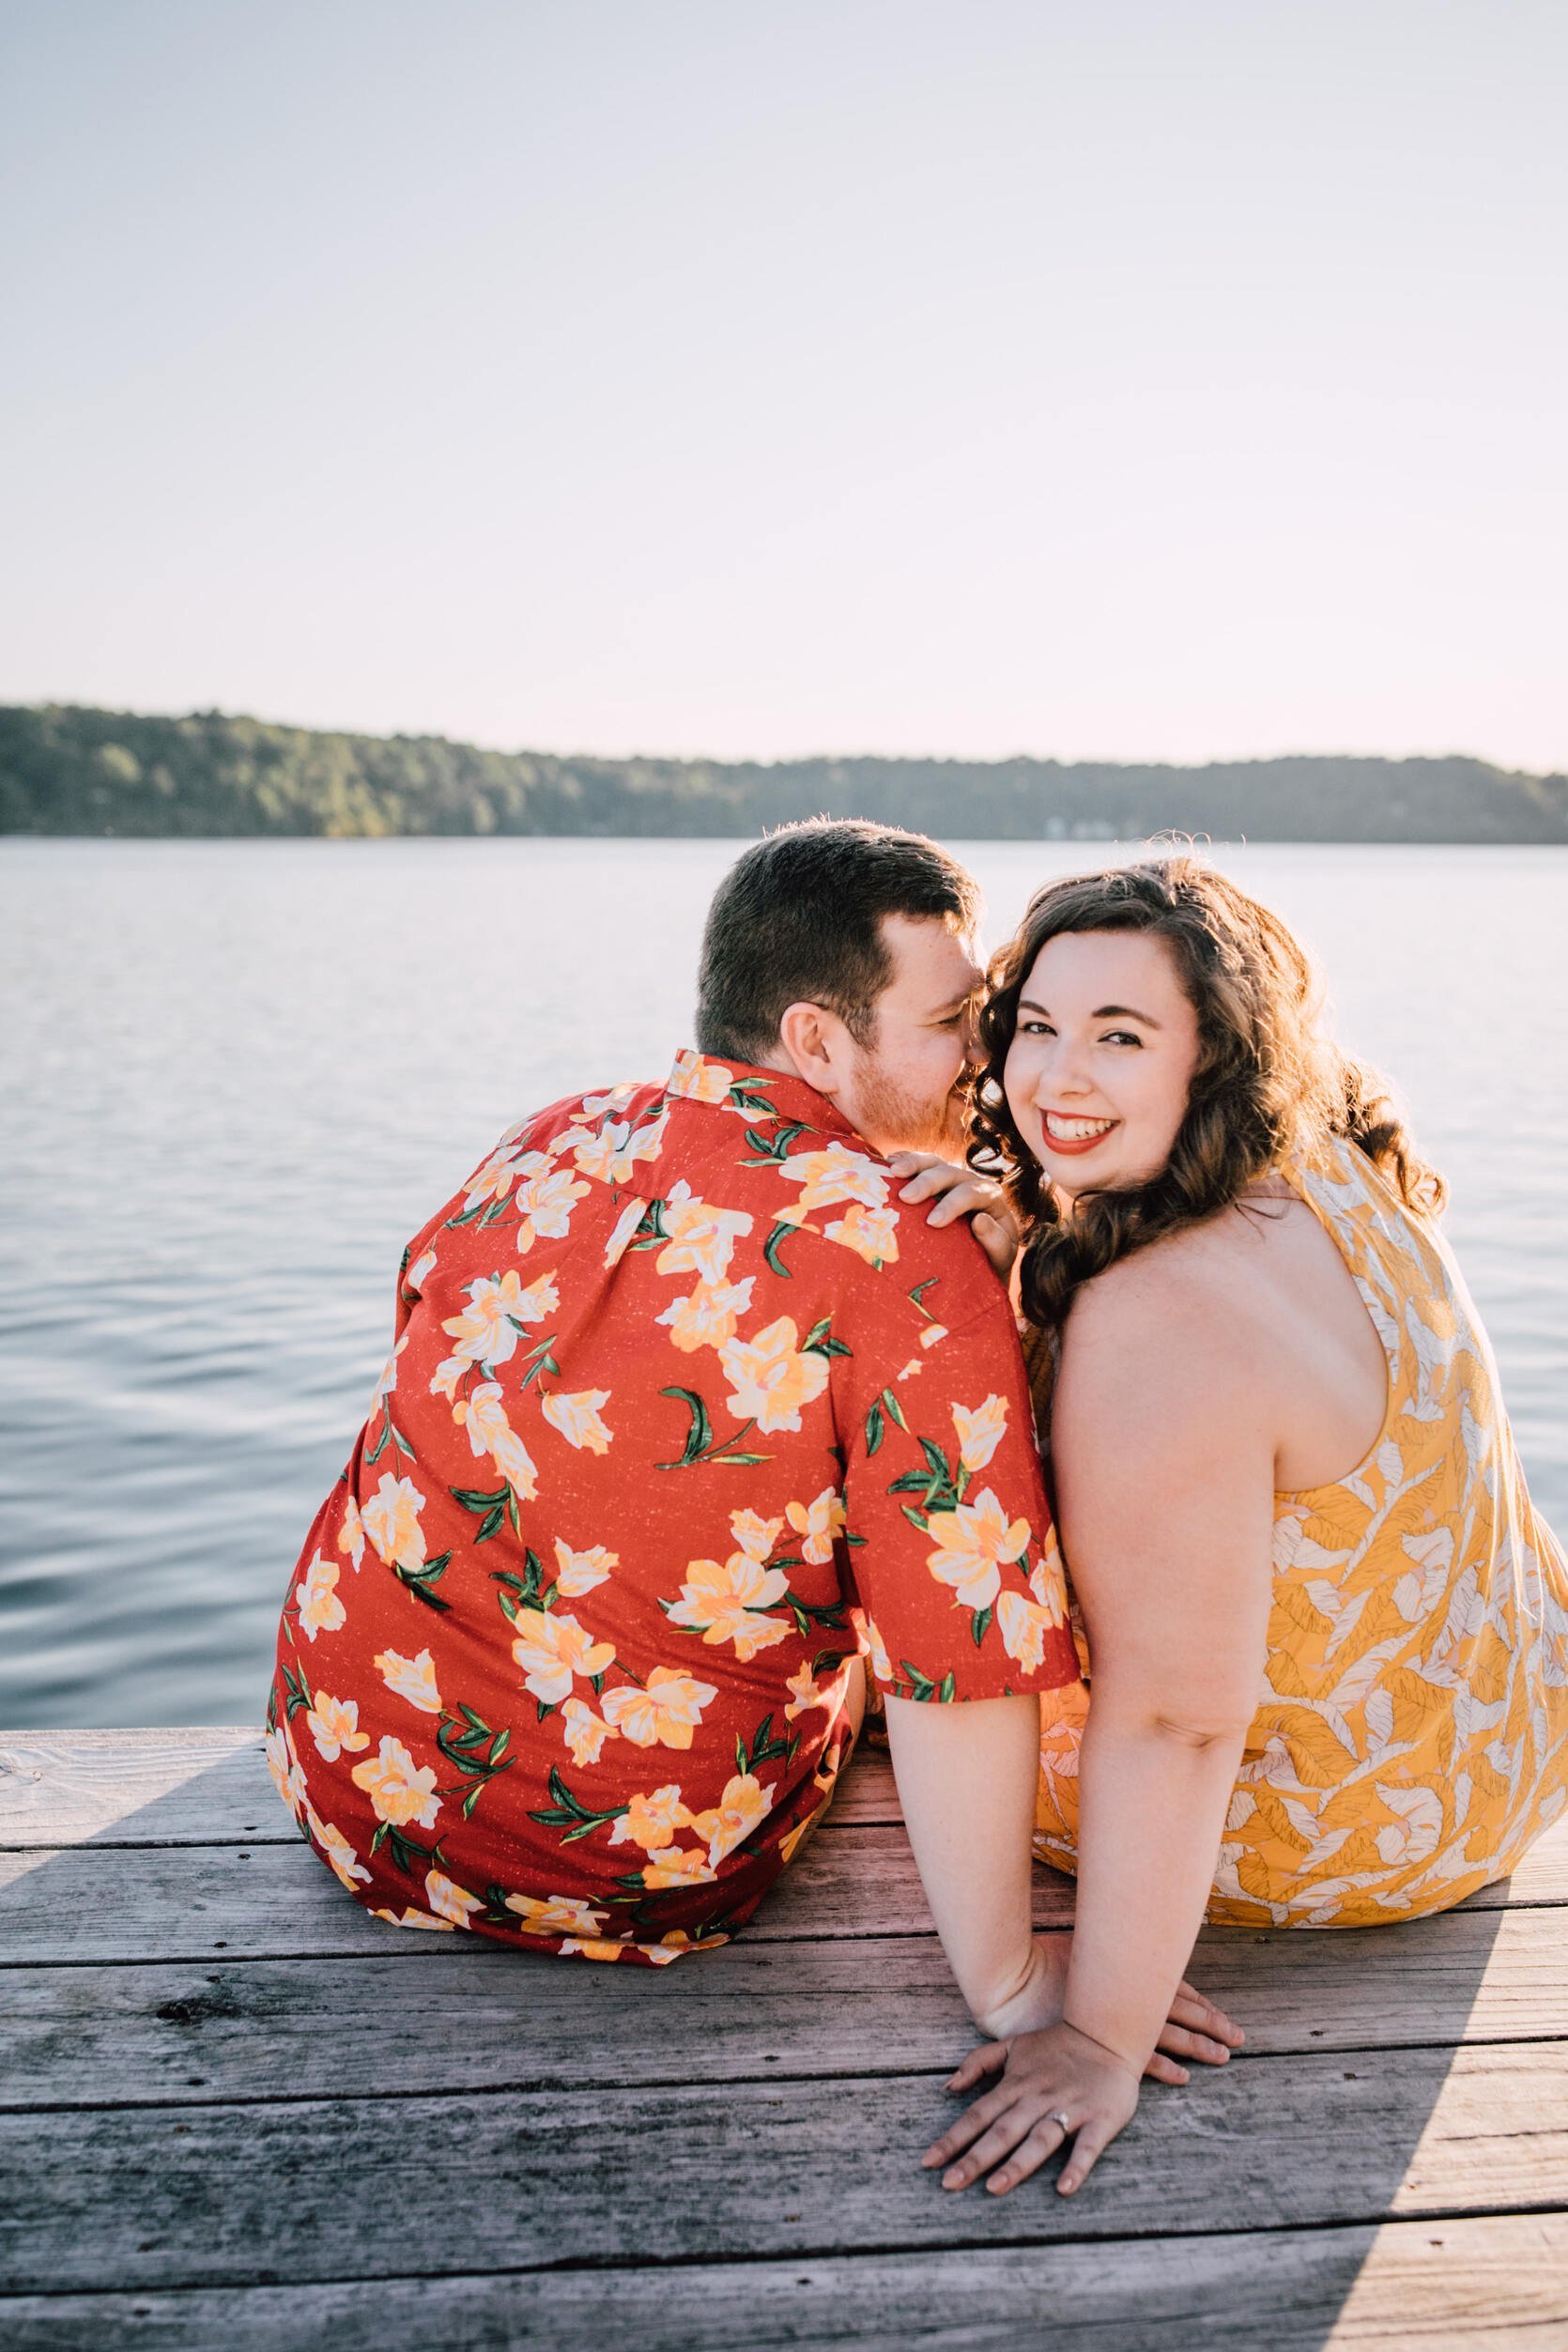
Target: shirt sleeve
<point x="949" y="1532"/>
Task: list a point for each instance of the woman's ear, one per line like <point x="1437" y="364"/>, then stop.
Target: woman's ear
<point x="817" y="1043"/>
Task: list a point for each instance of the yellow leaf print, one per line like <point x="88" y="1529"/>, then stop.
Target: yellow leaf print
<point x="612" y="1155"/>
<point x="805" y="1693"/>
<point x="495" y="1180"/>
<point x="280" y="1765"/>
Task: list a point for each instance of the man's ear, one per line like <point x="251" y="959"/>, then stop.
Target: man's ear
<point x="818" y="1043"/>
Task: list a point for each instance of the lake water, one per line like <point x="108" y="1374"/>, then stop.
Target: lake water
<point x="236" y="1076"/>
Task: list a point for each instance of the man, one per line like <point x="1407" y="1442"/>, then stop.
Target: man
<point x="687" y="1412"/>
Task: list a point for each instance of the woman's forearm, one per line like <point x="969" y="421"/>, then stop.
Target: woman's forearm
<point x="1153" y="1794"/>
<point x="966" y="1777"/>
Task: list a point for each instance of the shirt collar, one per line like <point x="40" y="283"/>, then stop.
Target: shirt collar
<point x="726" y="1084"/>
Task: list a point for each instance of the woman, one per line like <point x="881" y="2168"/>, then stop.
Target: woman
<point x="1328" y="1636"/>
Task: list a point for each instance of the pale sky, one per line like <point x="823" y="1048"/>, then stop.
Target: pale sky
<point x="1104" y="379"/>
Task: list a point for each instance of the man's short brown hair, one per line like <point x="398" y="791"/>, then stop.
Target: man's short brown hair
<point x="798" y="919"/>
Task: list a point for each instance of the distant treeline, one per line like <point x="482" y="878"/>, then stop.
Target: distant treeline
<point x="68" y="770"/>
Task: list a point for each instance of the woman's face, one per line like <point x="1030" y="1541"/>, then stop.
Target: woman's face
<point x="1099" y="1070"/>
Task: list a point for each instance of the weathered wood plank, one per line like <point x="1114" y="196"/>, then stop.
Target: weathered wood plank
<point x="57" y="1787"/>
<point x="175" y="1902"/>
<point x="183" y="1903"/>
<point x="1463" y="2286"/>
<point x="212" y="1788"/>
<point x="478" y="2019"/>
<point x="362" y="2188"/>
<point x="228" y="1798"/>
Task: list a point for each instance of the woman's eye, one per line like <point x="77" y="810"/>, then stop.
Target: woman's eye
<point x="1036" y="1029"/>
<point x="1121" y="1036"/>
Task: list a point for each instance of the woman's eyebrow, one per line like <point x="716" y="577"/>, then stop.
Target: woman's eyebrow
<point x="1101" y="1012"/>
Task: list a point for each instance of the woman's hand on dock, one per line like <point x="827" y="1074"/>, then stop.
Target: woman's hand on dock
<point x="1057" y="2086"/>
<point x="1196" y="2030"/>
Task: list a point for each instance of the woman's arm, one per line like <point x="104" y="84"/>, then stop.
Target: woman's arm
<point x="966" y="1777"/>
<point x="1163" y="1444"/>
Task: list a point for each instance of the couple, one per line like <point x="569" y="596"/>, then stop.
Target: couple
<point x="706" y="1402"/>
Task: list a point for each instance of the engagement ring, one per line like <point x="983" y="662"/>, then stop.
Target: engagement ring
<point x="1056" y="2116"/>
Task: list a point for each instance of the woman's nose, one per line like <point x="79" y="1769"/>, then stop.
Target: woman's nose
<point x="1063" y="1073"/>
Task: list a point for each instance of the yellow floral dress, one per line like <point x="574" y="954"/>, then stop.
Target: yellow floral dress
<point x="1411" y="1736"/>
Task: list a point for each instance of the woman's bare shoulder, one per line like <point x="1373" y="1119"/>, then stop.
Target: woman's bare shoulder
<point x="1175" y="1319"/>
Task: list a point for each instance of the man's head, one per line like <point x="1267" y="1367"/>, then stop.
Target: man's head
<point x="844" y="952"/>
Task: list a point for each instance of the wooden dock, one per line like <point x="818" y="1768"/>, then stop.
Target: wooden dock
<point x="235" y="2111"/>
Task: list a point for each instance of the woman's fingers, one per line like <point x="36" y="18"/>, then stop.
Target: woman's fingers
<point x="1087" y="2149"/>
<point x="999" y="1242"/>
<point x="969" y="2126"/>
<point x="1193" y="2009"/>
<point x="1043" y="2139"/>
<point x="1162" y="2069"/>
<point x="987" y="2059"/>
<point x="1177" y="2042"/>
<point x="974" y="1197"/>
<point x="1012" y="2125"/>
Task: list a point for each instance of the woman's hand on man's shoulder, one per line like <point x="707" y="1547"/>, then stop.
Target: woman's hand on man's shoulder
<point x="955" y="1191"/>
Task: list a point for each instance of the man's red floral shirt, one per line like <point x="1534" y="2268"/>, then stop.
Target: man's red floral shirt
<point x="682" y="1413"/>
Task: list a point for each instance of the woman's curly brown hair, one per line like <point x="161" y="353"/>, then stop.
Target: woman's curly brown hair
<point x="1268" y="1080"/>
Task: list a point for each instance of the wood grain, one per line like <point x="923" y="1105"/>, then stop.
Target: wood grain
<point x="138" y="1789"/>
<point x="58" y="1788"/>
<point x="474" y="2017"/>
<point x="1457" y="2286"/>
<point x="343" y="2187"/>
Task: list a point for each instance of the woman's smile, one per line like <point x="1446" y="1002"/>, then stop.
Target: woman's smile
<point x="1065" y="1131"/>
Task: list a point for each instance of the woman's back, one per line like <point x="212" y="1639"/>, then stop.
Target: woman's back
<point x="1413" y="1731"/>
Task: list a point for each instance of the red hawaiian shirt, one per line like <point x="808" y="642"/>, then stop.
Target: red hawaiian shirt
<point x="682" y="1413"/>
